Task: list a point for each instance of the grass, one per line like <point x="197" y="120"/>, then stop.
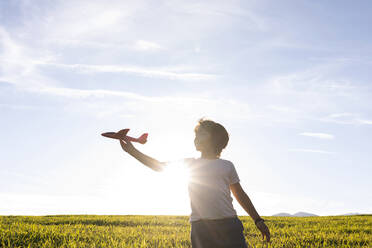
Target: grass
<point x="174" y="231"/>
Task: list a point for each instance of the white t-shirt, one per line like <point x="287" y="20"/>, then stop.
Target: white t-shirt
<point x="208" y="187"/>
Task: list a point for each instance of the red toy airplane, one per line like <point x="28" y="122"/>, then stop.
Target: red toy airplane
<point x="123" y="133"/>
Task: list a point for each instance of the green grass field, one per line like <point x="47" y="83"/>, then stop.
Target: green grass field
<point x="174" y="231"/>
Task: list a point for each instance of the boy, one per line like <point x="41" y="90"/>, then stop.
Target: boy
<point x="213" y="219"/>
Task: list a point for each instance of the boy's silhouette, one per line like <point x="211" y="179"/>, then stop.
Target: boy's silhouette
<point x="213" y="219"/>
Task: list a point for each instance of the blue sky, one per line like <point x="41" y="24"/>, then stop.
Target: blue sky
<point x="290" y="81"/>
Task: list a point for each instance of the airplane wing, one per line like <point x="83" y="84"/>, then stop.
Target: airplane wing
<point x="122" y="133"/>
<point x="119" y="135"/>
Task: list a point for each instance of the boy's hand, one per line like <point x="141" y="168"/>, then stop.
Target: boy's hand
<point x="126" y="145"/>
<point x="264" y="230"/>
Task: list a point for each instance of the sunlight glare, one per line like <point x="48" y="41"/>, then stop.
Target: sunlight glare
<point x="176" y="173"/>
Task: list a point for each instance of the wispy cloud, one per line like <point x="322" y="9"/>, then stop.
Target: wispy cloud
<point x="142" y="71"/>
<point x="222" y="12"/>
<point x="319" y="94"/>
<point x="81" y="93"/>
<point x="318" y="135"/>
<point x="18" y="63"/>
<point x="313" y="81"/>
<point x="20" y="107"/>
<point x="21" y="64"/>
<point x="310" y="150"/>
<point x="126" y="104"/>
<point x="367" y="122"/>
<point x="338" y="115"/>
<point x="346" y="119"/>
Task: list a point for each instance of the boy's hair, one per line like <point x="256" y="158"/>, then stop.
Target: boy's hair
<point x="219" y="135"/>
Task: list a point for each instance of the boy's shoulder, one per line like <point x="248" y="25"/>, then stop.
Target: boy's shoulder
<point x="220" y="160"/>
<point x="227" y="162"/>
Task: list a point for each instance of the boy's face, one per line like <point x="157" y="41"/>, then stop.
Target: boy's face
<point x="201" y="140"/>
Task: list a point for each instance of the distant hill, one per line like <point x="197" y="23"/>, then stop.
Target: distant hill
<point x="303" y="214"/>
<point x="282" y="214"/>
<point x="298" y="214"/>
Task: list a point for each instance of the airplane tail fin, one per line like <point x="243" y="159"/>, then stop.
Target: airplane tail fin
<point x="143" y="138"/>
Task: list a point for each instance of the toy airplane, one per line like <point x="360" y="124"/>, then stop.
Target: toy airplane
<point x="123" y="133"/>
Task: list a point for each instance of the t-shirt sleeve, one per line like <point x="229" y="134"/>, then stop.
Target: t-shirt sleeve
<point x="234" y="178"/>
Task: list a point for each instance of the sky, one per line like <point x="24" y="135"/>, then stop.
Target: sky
<point x="289" y="80"/>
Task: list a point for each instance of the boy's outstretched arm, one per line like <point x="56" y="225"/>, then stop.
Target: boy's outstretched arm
<point x="143" y="158"/>
<point x="247" y="204"/>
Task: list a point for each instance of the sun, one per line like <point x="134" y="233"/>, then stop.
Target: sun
<point x="177" y="174"/>
<point x="170" y="189"/>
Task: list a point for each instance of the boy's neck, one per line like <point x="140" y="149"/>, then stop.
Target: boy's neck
<point x="208" y="155"/>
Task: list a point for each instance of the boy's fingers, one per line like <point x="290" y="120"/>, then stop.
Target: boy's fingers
<point x="265" y="233"/>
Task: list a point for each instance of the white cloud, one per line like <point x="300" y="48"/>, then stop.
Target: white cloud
<point x="310" y="150"/>
<point x="285" y="109"/>
<point x="144" y="45"/>
<point x="318" y="135"/>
